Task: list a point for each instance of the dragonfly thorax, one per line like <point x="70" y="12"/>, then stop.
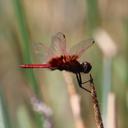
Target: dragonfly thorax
<point x="69" y="63"/>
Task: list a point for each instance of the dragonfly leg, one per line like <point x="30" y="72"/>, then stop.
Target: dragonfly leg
<point x="90" y="80"/>
<point x="86" y="81"/>
<point x="79" y="79"/>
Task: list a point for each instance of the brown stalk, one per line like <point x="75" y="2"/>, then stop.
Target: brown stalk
<point x="98" y="118"/>
<point x="74" y="100"/>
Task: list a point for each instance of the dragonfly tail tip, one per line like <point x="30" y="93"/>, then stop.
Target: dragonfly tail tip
<point x="22" y="66"/>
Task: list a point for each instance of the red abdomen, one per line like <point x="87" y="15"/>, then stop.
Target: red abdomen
<point x="35" y="66"/>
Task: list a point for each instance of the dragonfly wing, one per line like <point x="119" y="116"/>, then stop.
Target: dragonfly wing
<point x="81" y="47"/>
<point x="42" y="52"/>
<point x="58" y="44"/>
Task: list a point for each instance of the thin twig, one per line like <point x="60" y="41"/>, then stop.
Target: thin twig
<point x="98" y="118"/>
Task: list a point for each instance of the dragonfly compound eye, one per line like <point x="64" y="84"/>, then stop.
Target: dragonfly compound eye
<point x="86" y="67"/>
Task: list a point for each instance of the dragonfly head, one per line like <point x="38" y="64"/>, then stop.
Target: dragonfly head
<point x="86" y="67"/>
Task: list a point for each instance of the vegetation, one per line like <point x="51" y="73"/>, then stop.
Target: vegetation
<point x="40" y="98"/>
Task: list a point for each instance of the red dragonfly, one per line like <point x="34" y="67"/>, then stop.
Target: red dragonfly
<point x="58" y="57"/>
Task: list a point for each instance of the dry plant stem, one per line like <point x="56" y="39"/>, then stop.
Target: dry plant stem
<point x="111" y="111"/>
<point x="98" y="118"/>
<point x="74" y="100"/>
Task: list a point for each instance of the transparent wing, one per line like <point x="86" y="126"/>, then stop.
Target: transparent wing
<point x="42" y="52"/>
<point x="58" y="44"/>
<point x="81" y="47"/>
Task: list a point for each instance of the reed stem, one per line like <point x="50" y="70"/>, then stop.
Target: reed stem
<point x="98" y="118"/>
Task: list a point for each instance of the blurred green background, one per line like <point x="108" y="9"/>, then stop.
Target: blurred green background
<point x="23" y="23"/>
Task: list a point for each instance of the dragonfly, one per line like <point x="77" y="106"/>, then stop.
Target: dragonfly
<point x="59" y="57"/>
